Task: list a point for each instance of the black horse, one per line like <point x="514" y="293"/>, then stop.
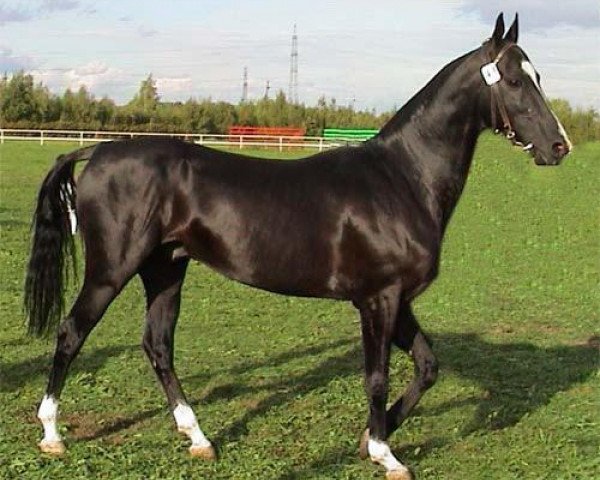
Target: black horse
<point x="363" y="224"/>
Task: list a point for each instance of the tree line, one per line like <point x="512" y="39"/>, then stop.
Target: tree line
<point x="27" y="104"/>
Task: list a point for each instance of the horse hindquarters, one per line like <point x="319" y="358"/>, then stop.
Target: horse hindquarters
<point x="116" y="243"/>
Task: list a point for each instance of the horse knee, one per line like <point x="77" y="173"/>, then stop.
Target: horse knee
<point x="426" y="364"/>
<point x="377" y="384"/>
<point x="152" y="350"/>
<point x="428" y="373"/>
<point x="157" y="352"/>
<point x="68" y="338"/>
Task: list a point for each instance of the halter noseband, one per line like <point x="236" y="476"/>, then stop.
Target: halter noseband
<point x="492" y="76"/>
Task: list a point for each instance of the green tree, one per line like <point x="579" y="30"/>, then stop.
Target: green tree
<point x="68" y="117"/>
<point x="105" y="111"/>
<point x="147" y="98"/>
<point x="19" y="103"/>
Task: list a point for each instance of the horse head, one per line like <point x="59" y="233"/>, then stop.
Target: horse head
<point x="518" y="106"/>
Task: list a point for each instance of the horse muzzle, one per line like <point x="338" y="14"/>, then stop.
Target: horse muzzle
<point x="559" y="151"/>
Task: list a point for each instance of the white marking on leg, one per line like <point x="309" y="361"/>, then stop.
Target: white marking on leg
<point x="47" y="414"/>
<point x="380" y="453"/>
<point x="187" y="423"/>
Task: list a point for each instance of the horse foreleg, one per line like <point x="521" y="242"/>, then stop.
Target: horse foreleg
<point x="163" y="279"/>
<point x="378" y="316"/>
<point x="409" y="337"/>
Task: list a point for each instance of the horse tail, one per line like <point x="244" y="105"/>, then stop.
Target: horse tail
<point x="53" y="227"/>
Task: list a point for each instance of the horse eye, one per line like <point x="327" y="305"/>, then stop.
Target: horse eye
<point x="514" y="83"/>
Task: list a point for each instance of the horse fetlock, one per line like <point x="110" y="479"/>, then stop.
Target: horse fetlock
<point x="47" y="413"/>
<point x="187" y="424"/>
<point x="48" y="409"/>
<point x="185" y="418"/>
<point x="380" y="453"/>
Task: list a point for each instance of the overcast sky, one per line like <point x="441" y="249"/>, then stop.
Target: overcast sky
<point x="378" y="52"/>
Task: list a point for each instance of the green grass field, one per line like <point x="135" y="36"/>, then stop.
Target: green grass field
<point x="277" y="383"/>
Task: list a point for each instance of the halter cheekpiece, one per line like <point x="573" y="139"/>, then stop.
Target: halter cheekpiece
<point x="491" y="76"/>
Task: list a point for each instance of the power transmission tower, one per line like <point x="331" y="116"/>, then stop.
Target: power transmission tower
<point x="245" y="86"/>
<point x="267" y="88"/>
<point x="293" y="88"/>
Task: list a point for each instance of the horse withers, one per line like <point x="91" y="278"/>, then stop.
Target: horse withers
<point x="363" y="224"/>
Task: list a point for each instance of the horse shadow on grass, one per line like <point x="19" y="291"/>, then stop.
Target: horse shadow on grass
<point x="516" y="379"/>
<point x="229" y="391"/>
<point x="15" y="375"/>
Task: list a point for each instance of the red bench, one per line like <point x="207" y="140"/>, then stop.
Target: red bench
<point x="238" y="130"/>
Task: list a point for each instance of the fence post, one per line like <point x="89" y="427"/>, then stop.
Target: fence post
<point x="2" y="136"/>
<point x="241" y="142"/>
<point x="80" y="139"/>
<point x="320" y="144"/>
<point x="201" y="139"/>
<point x="281" y="144"/>
<point x="41" y="137"/>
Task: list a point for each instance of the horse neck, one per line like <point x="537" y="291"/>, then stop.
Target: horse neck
<point x="433" y="137"/>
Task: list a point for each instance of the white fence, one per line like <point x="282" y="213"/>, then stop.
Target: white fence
<point x="235" y="141"/>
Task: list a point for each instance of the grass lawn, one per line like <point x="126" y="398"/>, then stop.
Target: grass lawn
<point x="276" y="382"/>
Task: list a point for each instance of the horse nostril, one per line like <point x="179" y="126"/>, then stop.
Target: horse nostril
<point x="560" y="149"/>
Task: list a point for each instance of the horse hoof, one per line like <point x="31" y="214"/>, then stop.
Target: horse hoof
<point x="55" y="447"/>
<point x="399" y="475"/>
<point x="363" y="449"/>
<point x="205" y="453"/>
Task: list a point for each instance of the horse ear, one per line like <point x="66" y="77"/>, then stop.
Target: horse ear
<point x="498" y="30"/>
<point x="513" y="31"/>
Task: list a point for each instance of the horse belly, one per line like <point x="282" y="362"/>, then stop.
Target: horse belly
<point x="258" y="254"/>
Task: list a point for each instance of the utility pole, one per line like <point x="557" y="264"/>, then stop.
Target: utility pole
<point x="293" y="87"/>
<point x="245" y="86"/>
<point x="267" y="88"/>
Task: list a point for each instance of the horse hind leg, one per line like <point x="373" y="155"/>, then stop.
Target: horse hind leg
<point x="91" y="303"/>
<point x="105" y="277"/>
<point x="163" y="275"/>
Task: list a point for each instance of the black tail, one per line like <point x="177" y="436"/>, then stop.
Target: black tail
<point x="47" y="272"/>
